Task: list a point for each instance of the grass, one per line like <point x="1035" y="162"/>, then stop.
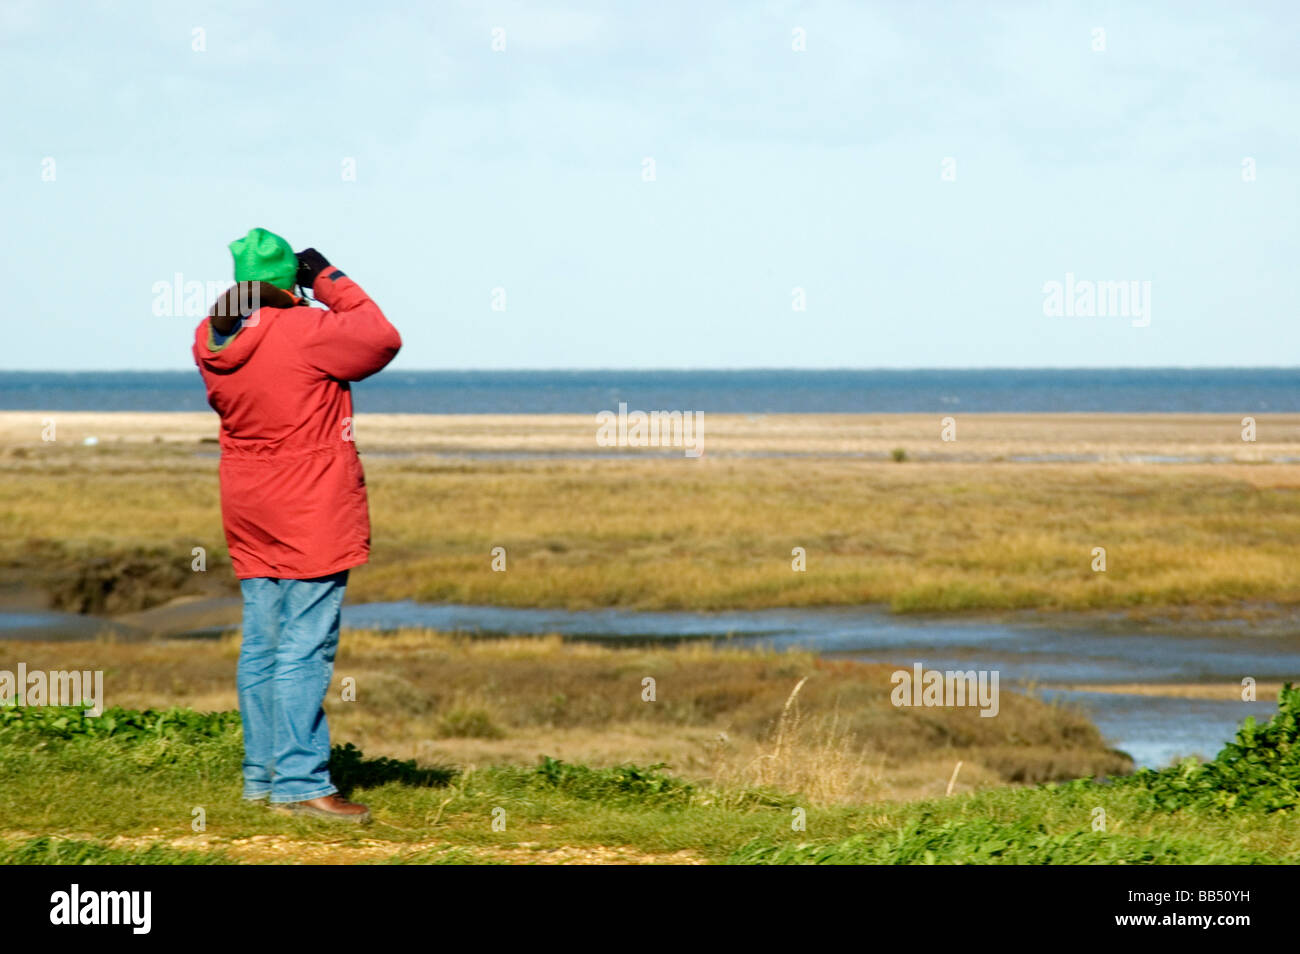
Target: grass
<point x="538" y="751"/>
<point x="927" y="840"/>
<point x="129" y="797"/>
<point x="942" y="536"/>
<point x="79" y="851"/>
<point x="721" y="715"/>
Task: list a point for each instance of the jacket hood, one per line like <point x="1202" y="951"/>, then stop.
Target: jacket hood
<point x="257" y="305"/>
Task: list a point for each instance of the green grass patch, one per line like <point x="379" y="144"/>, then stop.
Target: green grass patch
<point x="78" y="851"/>
<point x="928" y="841"/>
<point x="123" y="725"/>
<point x="625" y="784"/>
<point x="82" y="782"/>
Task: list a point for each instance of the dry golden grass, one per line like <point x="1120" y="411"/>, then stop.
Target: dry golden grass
<point x="1220" y="691"/>
<point x="822" y="760"/>
<point x="959" y="529"/>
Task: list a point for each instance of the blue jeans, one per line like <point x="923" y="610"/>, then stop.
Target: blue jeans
<point x="286" y="661"/>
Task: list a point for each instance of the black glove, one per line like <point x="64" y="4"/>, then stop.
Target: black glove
<point x="310" y="264"/>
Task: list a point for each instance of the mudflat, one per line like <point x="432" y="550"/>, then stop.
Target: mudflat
<point x="1024" y="438"/>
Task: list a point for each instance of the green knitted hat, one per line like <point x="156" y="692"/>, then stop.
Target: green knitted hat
<point x="263" y="256"/>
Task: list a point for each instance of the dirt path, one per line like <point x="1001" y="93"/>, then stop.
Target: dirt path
<point x="283" y="849"/>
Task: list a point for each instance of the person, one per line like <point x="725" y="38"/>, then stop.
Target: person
<point x="293" y="498"/>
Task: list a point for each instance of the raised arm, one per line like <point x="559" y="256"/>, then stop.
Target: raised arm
<point x="353" y="339"/>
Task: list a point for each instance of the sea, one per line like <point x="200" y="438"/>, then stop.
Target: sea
<point x="760" y="391"/>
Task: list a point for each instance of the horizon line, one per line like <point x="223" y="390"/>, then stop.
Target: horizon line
<point x="680" y="370"/>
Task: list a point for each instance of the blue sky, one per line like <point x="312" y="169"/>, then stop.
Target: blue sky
<point x="775" y="169"/>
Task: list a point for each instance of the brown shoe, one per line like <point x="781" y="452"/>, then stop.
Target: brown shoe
<point x="333" y="807"/>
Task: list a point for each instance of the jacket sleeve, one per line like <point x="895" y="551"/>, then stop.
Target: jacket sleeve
<point x="353" y="339"/>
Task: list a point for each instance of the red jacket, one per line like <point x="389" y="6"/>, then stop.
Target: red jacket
<point x="293" y="494"/>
